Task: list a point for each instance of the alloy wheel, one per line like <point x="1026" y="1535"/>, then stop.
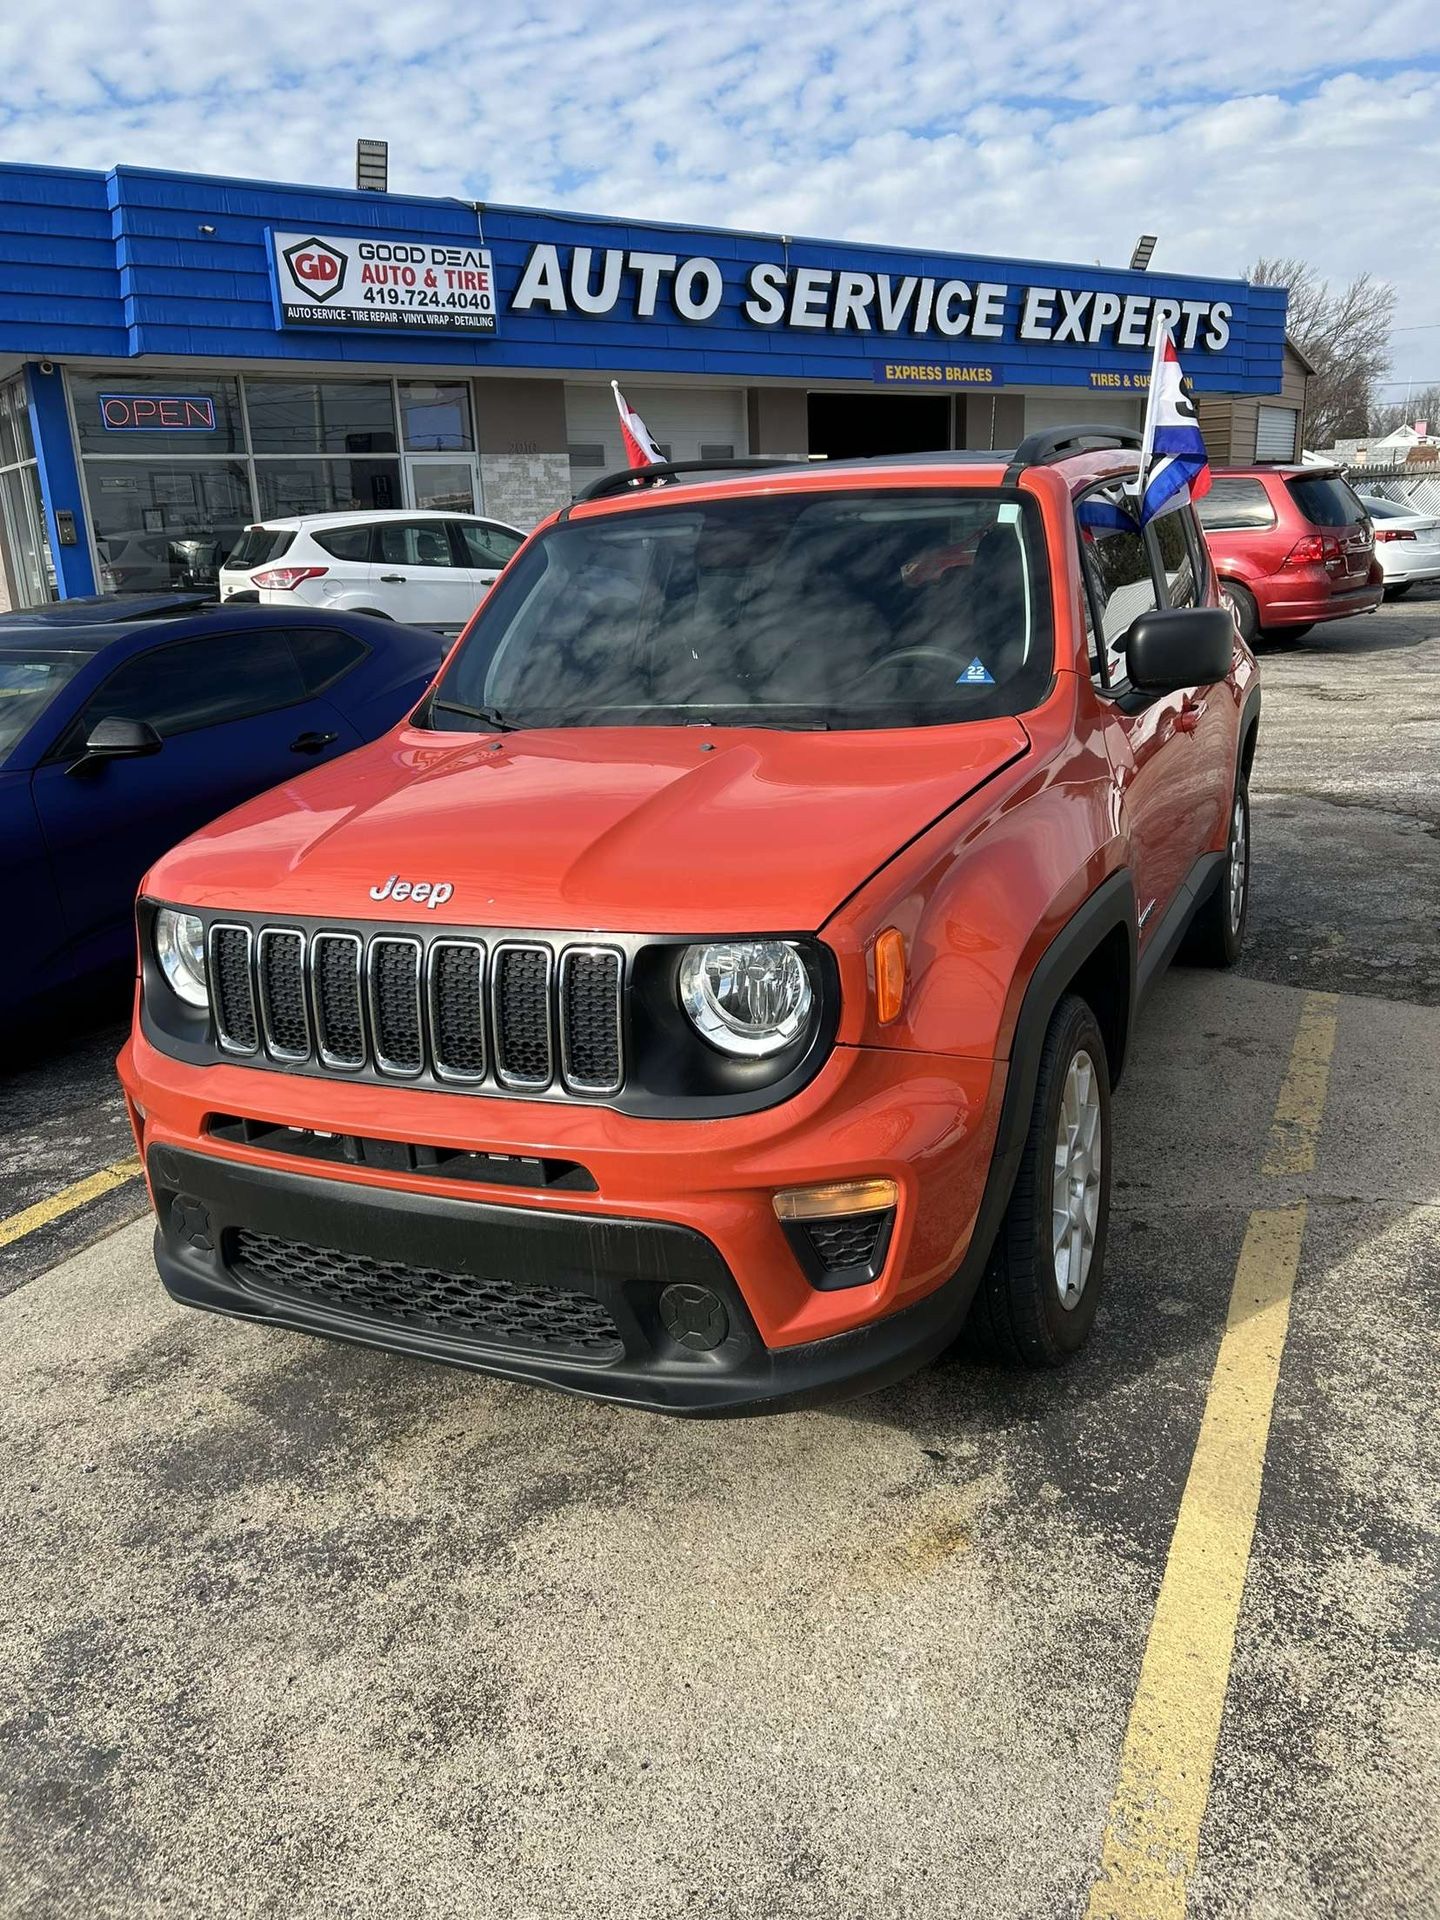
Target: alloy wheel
<point x="1075" y="1205"/>
<point x="1239" y="862"/>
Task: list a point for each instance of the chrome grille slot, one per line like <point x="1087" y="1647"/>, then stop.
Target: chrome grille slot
<point x="284" y="1013"/>
<point x="590" y="1038"/>
<point x="394" y="963"/>
<point x="232" y="988"/>
<point x="335" y="963"/>
<point x="456" y="983"/>
<point x="520" y="1011"/>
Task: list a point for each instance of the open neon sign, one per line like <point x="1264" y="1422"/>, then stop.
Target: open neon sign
<point x="157" y="412"/>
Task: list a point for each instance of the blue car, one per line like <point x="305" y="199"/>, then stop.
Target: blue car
<point x="127" y="722"/>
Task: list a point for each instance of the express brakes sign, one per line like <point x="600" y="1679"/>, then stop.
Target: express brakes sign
<point x="322" y="280"/>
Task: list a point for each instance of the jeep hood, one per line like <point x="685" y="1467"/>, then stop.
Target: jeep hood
<point x="635" y="829"/>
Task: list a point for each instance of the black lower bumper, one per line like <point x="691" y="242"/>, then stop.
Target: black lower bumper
<point x="641" y="1312"/>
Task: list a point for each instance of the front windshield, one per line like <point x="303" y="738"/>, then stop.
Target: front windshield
<point x="29" y="681"/>
<point x="896" y="609"/>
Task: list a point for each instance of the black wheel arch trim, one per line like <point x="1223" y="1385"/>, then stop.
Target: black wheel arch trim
<point x="1249" y="726"/>
<point x="1110" y="906"/>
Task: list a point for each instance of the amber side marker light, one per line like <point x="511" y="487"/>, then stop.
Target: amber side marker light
<point x="889" y="975"/>
<point x="838" y="1198"/>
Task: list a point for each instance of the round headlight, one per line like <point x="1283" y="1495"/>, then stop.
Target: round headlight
<point x="180" y="949"/>
<point x="747" y="997"/>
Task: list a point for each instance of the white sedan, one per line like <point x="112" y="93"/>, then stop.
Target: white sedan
<point x="429" y="569"/>
<point x="1407" y="543"/>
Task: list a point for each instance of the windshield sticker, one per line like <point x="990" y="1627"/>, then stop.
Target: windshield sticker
<point x="1008" y="515"/>
<point x="975" y="675"/>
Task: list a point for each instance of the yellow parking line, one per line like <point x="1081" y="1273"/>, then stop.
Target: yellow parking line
<point x="1154" y="1829"/>
<point x="1296" y="1125"/>
<point x="1152" y="1836"/>
<point x="67" y="1200"/>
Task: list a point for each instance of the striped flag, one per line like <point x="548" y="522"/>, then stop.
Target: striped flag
<point x="1174" y="467"/>
<point x="640" y="449"/>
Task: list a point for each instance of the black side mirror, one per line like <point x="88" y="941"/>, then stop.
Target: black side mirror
<point x="1173" y="647"/>
<point x="116" y="738"/>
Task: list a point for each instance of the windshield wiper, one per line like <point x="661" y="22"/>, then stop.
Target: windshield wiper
<point x="492" y="716"/>
<point x="746" y="718"/>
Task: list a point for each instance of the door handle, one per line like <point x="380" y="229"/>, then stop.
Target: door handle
<point x="1189" y="716"/>
<point x="393" y="579"/>
<point x="487" y="579"/>
<point x="313" y="742"/>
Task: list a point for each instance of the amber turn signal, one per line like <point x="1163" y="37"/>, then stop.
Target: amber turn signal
<point x="889" y="975"/>
<point x="836" y="1199"/>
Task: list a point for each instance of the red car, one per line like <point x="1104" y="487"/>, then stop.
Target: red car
<point x="712" y="994"/>
<point x="1292" y="546"/>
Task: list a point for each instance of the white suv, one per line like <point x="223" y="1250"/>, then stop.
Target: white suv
<point x="427" y="569"/>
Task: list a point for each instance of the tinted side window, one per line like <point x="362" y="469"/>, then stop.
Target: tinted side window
<point x="1176" y="564"/>
<point x="324" y="653"/>
<point x="1234" y="505"/>
<point x="414" y="543"/>
<point x="486" y="546"/>
<point x="1117" y="560"/>
<point x="346" y="543"/>
<point x="1326" y="501"/>
<point x="199" y="683"/>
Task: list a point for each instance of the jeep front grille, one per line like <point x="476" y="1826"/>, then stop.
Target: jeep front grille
<point x="518" y="1015"/>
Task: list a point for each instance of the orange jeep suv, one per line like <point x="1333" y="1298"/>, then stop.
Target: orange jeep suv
<point x="711" y="996"/>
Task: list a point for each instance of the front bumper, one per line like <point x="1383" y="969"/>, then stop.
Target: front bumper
<point x="675" y="1204"/>
<point x="626" y="1272"/>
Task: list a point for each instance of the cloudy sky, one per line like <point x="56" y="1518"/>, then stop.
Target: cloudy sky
<point x="1054" y="129"/>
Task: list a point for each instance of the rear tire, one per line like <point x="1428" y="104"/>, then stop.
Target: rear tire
<point x="1399" y="591"/>
<point x="1243" y="609"/>
<point x="1288" y="636"/>
<point x="1037" y="1299"/>
<point x="1217" y="933"/>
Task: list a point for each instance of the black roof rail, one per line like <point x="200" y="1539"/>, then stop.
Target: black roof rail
<point x="1050" y="444"/>
<point x="627" y="477"/>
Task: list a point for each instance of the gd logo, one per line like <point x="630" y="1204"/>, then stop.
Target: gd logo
<point x="316" y="269"/>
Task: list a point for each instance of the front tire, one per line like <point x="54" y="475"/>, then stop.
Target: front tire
<point x="1217" y="933"/>
<point x="1037" y="1299"/>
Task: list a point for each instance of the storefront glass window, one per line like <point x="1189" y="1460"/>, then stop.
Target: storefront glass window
<point x="165" y="523"/>
<point x="326" y="486"/>
<point x="332" y="416"/>
<point x="176" y="413"/>
<point x="435" y="416"/>
<point x="166" y="503"/>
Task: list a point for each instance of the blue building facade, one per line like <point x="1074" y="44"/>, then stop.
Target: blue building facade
<point x="181" y="354"/>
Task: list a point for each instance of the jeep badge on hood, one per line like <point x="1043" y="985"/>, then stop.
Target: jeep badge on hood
<point x="434" y="893"/>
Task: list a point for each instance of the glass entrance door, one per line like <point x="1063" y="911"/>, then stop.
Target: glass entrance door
<point x="22" y="522"/>
<point x="449" y="482"/>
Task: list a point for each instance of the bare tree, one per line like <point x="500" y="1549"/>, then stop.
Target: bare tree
<point x="1423" y="403"/>
<point x="1345" y="335"/>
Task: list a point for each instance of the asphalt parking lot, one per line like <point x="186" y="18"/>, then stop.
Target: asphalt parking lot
<point x="297" y="1630"/>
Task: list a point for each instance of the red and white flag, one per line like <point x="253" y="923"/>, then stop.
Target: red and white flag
<point x="640" y="449"/>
